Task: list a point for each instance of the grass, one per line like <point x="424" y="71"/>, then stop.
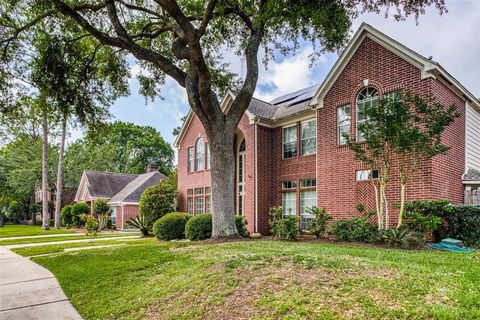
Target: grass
<point x="16" y="230"/>
<point x="148" y="279"/>
<point x="66" y="238"/>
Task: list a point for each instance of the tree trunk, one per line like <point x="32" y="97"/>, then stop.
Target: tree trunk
<point x="45" y="213"/>
<point x="387" y="214"/>
<point x="381" y="213"/>
<point x="403" y="188"/>
<point x="58" y="199"/>
<point x="377" y="207"/>
<point x="223" y="184"/>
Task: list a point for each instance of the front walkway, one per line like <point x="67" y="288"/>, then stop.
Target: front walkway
<point x="39" y="244"/>
<point x="29" y="291"/>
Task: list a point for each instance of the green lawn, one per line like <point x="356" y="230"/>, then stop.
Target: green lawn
<point x="266" y="280"/>
<point x="66" y="238"/>
<point x="16" y="230"/>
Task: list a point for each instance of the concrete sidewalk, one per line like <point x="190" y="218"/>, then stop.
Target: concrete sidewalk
<point x="29" y="291"/>
<point x="39" y="244"/>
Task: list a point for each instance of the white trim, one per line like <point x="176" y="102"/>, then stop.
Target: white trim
<point x="119" y="203"/>
<point x="80" y="185"/>
<point x="316" y="137"/>
<point x="471" y="182"/>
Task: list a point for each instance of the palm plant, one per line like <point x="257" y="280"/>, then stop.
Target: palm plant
<point x="143" y="223"/>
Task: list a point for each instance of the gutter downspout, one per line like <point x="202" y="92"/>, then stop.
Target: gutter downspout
<point x="123" y="218"/>
<point x="256" y="177"/>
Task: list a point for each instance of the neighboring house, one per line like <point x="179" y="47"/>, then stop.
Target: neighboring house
<point x="122" y="191"/>
<point x="290" y="151"/>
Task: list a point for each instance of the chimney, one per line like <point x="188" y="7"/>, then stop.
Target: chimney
<point x="151" y="168"/>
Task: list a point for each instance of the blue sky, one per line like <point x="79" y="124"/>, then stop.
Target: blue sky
<point x="452" y="39"/>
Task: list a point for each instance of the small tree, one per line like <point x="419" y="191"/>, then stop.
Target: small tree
<point x="158" y="200"/>
<point x="403" y="128"/>
<point x="100" y="206"/>
<point x="320" y="219"/>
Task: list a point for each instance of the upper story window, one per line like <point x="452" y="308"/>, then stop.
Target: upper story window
<point x="309" y="137"/>
<point x="290" y="142"/>
<point x="208" y="156"/>
<point x="344" y="118"/>
<point x="308" y="183"/>
<point x="190" y="159"/>
<point x="365" y="98"/>
<point x="200" y="154"/>
<point x="286" y="185"/>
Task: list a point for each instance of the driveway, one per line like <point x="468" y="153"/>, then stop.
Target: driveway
<point x="29" y="291"/>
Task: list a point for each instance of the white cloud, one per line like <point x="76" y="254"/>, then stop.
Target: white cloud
<point x="293" y="73"/>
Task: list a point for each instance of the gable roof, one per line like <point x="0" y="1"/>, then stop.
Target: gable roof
<point x="306" y="99"/>
<point x="134" y="189"/>
<point x="428" y="67"/>
<point x="106" y="184"/>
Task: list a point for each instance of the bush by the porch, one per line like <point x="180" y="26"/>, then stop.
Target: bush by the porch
<point x="355" y="229"/>
<point x="77" y="211"/>
<point x="199" y="227"/>
<point x="241" y="223"/>
<point x="283" y="226"/>
<point x="66" y="215"/>
<point x="158" y="200"/>
<point x="171" y="226"/>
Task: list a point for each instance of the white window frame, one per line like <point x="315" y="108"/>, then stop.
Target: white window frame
<point x="207" y="150"/>
<point x="191" y="159"/>
<point x="292" y="187"/>
<point x="366" y="175"/>
<point x="197" y="209"/>
<point x="283" y="141"/>
<point x="200" y="155"/>
<point x="208" y="204"/>
<point x="284" y="202"/>
<point x="113" y="217"/>
<point x="340" y="140"/>
<point x="363" y="103"/>
<point x="314" y="137"/>
<point x="190" y="208"/>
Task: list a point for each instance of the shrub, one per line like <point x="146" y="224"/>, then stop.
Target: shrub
<point x="425" y="215"/>
<point x="401" y="237"/>
<point x="143" y="223"/>
<point x="463" y="222"/>
<point x="77" y="210"/>
<point x="100" y="207"/>
<point x="240" y="223"/>
<point x="91" y="225"/>
<point x="15" y="211"/>
<point x="355" y="229"/>
<point x="283" y="226"/>
<point x="158" y="200"/>
<point x="66" y="215"/>
<point x="199" y="227"/>
<point x="103" y="220"/>
<point x="319" y="223"/>
<point x="171" y="226"/>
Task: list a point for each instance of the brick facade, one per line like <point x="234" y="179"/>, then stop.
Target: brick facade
<point x="334" y="166"/>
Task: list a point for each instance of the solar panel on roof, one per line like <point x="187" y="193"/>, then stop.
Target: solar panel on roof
<point x="293" y="95"/>
<point x="307" y="95"/>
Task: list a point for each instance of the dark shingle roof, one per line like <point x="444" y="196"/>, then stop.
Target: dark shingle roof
<point x="107" y="184"/>
<point x="133" y="190"/>
<point x="284" y="106"/>
<point x="471" y="175"/>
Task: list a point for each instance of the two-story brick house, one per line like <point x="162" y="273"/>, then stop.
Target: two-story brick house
<point x="290" y="151"/>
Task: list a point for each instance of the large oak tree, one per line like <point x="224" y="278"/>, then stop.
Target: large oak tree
<point x="182" y="39"/>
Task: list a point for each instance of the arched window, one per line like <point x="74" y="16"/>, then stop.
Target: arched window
<point x="365" y="98"/>
<point x="242" y="146"/>
<point x="200" y="154"/>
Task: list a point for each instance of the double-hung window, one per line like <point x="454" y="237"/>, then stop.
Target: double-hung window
<point x="289" y="203"/>
<point x="200" y="154"/>
<point x="344" y="118"/>
<point x="290" y="142"/>
<point x="308" y="199"/>
<point x="190" y="159"/>
<point x="308" y="135"/>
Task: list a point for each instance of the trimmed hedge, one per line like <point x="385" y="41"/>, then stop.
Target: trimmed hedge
<point x="171" y="226"/>
<point x="199" y="227"/>
<point x="66" y="215"/>
<point x="463" y="222"/>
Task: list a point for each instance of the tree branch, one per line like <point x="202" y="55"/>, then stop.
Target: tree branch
<point x="207" y="17"/>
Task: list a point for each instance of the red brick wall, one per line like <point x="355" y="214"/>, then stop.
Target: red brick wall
<point x="334" y="166"/>
<point x="337" y="188"/>
<point x="123" y="214"/>
<point x="203" y="178"/>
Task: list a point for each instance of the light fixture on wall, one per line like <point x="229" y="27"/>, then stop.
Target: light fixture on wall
<point x="365" y="82"/>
